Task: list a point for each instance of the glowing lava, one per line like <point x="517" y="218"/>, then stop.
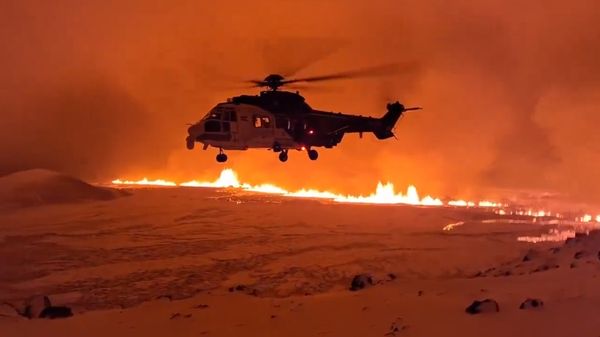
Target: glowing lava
<point x="384" y="194"/>
<point x="144" y="182"/>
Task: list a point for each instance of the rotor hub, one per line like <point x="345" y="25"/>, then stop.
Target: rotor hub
<point x="274" y="81"/>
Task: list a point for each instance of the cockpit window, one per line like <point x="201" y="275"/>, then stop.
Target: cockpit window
<point x="230" y="115"/>
<point x="212" y="126"/>
<point x="214" y="115"/>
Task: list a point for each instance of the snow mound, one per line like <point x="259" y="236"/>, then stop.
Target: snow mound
<point x="583" y="250"/>
<point x="41" y="187"/>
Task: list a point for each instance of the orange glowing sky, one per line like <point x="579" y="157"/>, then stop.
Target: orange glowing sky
<point x="103" y="89"/>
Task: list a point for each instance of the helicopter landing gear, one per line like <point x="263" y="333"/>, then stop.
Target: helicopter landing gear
<point x="313" y="154"/>
<point x="283" y="156"/>
<point x="189" y="143"/>
<point x="221" y="157"/>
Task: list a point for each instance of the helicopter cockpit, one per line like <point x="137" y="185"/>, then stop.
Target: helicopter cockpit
<point x="218" y="119"/>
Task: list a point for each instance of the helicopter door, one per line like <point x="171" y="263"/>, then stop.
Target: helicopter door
<point x="263" y="127"/>
<point x="230" y="124"/>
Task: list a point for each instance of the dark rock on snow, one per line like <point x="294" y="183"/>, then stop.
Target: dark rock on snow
<point x="41" y="307"/>
<point x="361" y="281"/>
<point x="532" y="303"/>
<point x="482" y="307"/>
<point x="578" y="255"/>
<point x="52" y="312"/>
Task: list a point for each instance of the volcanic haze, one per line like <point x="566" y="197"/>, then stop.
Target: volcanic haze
<point x="101" y="89"/>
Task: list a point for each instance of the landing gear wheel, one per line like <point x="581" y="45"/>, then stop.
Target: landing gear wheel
<point x="313" y="154"/>
<point x="221" y="157"/>
<point x="189" y="144"/>
<point x="283" y="156"/>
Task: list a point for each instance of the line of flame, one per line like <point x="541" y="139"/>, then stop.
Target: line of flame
<point x="384" y="194"/>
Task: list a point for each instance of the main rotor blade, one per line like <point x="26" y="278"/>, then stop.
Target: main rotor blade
<point x="289" y="55"/>
<point x="257" y="83"/>
<point x="382" y="70"/>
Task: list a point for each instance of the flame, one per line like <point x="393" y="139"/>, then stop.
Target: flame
<point x="145" y="181"/>
<point x="461" y="203"/>
<point x="384" y="194"/>
<point x="451" y="226"/>
<point x="228" y="178"/>
<point x="553" y="235"/>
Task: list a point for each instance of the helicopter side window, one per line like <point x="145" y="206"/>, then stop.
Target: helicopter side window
<point x="257" y="122"/>
<point x="282" y="123"/>
<point x="212" y="126"/>
<point x="229" y="116"/>
<point x="262" y="122"/>
<point x="266" y="122"/>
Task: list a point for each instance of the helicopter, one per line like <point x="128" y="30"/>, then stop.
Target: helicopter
<point x="281" y="120"/>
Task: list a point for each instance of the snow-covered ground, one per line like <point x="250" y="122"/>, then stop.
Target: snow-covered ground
<point x="213" y="262"/>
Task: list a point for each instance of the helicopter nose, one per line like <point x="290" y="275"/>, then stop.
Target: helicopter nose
<point x="194" y="129"/>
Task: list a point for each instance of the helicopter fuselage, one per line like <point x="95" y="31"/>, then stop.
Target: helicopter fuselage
<point x="280" y="121"/>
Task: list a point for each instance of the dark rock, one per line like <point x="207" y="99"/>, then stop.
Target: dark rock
<point x="571" y="241"/>
<point x="201" y="306"/>
<point x="420" y="293"/>
<point x="545" y="267"/>
<point x="531" y="254"/>
<point x="396" y="327"/>
<point x="361" y="281"/>
<point x="482" y="307"/>
<point x="239" y="287"/>
<point x="578" y="255"/>
<point x="35" y="305"/>
<point x="555" y="250"/>
<point x="391" y="276"/>
<point x="245" y="289"/>
<point x="532" y="303"/>
<point x="52" y="312"/>
<point x="178" y="316"/>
